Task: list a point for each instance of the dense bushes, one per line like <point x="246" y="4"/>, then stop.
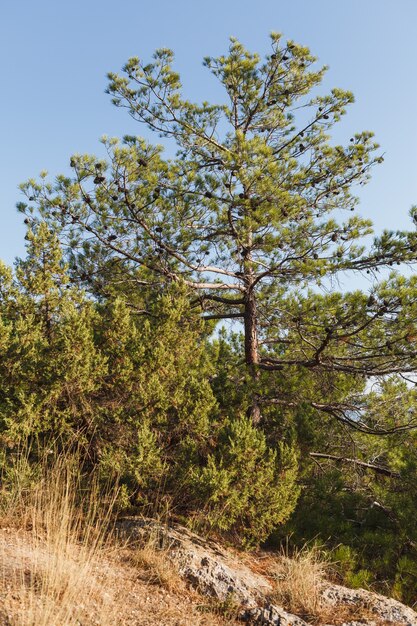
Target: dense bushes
<point x="159" y="404"/>
<point x="134" y="390"/>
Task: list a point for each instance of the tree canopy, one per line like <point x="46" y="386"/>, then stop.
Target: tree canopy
<point x="253" y="215"/>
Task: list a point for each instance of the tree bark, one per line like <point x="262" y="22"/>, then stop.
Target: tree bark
<point x="252" y="346"/>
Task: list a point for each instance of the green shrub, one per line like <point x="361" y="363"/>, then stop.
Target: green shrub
<point x="246" y="486"/>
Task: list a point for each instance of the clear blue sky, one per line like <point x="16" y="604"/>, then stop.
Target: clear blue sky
<point x="54" y="57"/>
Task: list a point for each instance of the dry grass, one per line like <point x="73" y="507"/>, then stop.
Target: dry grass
<point x="298" y="580"/>
<point x="60" y="565"/>
<point x="156" y="565"/>
<point x="51" y="577"/>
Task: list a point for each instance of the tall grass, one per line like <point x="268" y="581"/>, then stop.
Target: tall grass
<point x="51" y="574"/>
<point x="298" y="580"/>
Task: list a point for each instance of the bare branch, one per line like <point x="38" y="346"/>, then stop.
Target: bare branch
<point x="340" y="459"/>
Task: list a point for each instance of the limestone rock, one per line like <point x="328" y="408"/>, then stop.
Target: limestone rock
<point x="221" y="574"/>
<point x="214" y="571"/>
<point x="384" y="608"/>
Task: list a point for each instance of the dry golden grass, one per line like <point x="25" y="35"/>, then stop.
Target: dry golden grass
<point x="298" y="580"/>
<point x="50" y="578"/>
<point x="157" y="566"/>
<point x="60" y="565"/>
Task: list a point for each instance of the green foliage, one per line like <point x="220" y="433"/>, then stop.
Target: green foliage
<point x="371" y="514"/>
<point x="245" y="222"/>
<point x="50" y="364"/>
<point x="248" y="487"/>
<point x="251" y="217"/>
<point x="345" y="562"/>
<point x="134" y="391"/>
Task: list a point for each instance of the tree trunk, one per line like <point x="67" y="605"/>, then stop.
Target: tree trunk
<point x="252" y="348"/>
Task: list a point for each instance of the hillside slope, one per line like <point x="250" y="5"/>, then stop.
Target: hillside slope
<point x="108" y="590"/>
<point x="152" y="575"/>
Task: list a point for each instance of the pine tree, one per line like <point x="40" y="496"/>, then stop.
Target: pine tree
<point x="249" y="217"/>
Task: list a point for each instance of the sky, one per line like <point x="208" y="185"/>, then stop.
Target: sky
<point x="54" y="57"/>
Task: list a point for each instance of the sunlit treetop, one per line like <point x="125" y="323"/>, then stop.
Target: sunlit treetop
<point x="257" y="205"/>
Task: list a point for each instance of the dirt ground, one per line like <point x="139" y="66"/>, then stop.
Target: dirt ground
<point x="117" y="592"/>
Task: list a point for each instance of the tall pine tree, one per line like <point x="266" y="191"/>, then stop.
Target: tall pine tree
<point x="251" y="215"/>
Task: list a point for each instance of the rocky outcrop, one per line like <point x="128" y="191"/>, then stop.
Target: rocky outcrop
<point x="381" y="607"/>
<point x="221" y="574"/>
